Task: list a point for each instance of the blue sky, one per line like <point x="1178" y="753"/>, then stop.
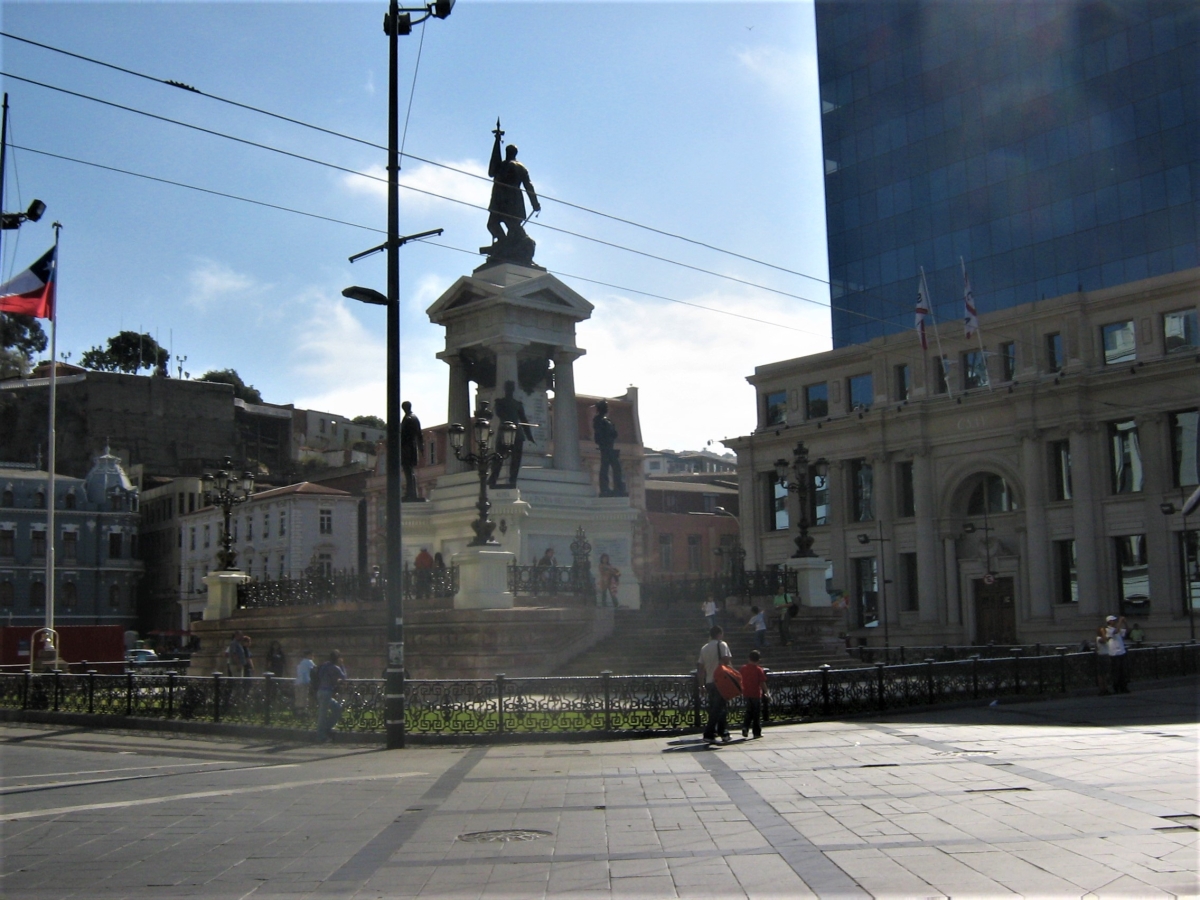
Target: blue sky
<point x="695" y="118"/>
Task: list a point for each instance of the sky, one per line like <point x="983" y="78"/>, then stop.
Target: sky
<point x="697" y="119"/>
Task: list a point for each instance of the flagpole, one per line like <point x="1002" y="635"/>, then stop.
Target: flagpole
<point x="937" y="335"/>
<point x="987" y="372"/>
<point x="50" y="456"/>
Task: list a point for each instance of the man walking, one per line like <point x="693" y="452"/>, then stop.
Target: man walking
<point x="329" y="677"/>
<point x="713" y="655"/>
<point x="1115" y="631"/>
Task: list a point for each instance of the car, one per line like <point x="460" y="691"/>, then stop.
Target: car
<point x="141" y="657"/>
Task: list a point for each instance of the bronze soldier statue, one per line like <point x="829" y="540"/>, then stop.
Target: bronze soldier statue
<point x="412" y="445"/>
<point x="510" y="409"/>
<point x="507" y="207"/>
<point x="605" y="434"/>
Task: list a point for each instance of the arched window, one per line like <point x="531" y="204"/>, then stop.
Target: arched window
<point x="39" y="499"/>
<point x="69" y="500"/>
<point x="70" y="595"/>
<point x="997" y="493"/>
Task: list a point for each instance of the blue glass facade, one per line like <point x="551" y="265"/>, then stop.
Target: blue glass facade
<point x="1051" y="145"/>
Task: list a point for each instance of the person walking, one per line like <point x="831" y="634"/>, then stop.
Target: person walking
<point x="1102" y="663"/>
<point x="610" y="579"/>
<point x="235" y="656"/>
<point x="329" y="677"/>
<point x="1115" y="630"/>
<point x="710" y="612"/>
<point x="276" y="660"/>
<point x="759" y="622"/>
<point x="713" y="655"/>
<point x="754" y="679"/>
<point x="781" y="610"/>
<point x="301" y="688"/>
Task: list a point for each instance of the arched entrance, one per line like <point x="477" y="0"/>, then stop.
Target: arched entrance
<point x="986" y="504"/>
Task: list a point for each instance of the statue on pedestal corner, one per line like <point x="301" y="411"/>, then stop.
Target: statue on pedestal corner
<point x="412" y="446"/>
<point x="507" y="218"/>
<point x="605" y="434"/>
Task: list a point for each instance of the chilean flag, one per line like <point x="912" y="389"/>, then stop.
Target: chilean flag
<point x="32" y="292"/>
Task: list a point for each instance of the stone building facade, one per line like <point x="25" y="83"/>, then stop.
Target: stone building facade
<point x="1019" y="497"/>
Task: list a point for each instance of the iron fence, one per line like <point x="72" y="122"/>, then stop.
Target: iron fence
<point x="670" y="589"/>
<point x="562" y="707"/>
<point x="345" y="587"/>
<point x="551" y="580"/>
<point x="944" y="652"/>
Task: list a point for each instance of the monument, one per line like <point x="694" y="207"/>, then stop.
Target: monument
<point x="510" y="335"/>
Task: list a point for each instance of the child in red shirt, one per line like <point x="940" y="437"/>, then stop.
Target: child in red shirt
<point x="753" y="681"/>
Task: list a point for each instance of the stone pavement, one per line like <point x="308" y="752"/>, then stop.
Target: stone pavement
<point x="1064" y="798"/>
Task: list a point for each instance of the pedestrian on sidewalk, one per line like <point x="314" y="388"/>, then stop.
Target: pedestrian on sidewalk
<point x="1102" y="663"/>
<point x="1115" y="631"/>
<point x="247" y="658"/>
<point x="235" y="656"/>
<point x="301" y="687"/>
<point x="713" y="655"/>
<point x="329" y="677"/>
<point x="758" y="622"/>
<point x="754" y="679"/>
<point x="710" y="612"/>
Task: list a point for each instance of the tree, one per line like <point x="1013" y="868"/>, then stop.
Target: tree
<point x="241" y="390"/>
<point x="20" y="338"/>
<point x="128" y="352"/>
<point x="372" y="421"/>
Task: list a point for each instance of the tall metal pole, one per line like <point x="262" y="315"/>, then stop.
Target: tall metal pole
<point x="883" y="587"/>
<point x="394" y="709"/>
<point x="3" y="156"/>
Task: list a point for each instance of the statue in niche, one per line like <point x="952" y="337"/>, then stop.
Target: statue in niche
<point x="605" y="434"/>
<point x="507" y="221"/>
<point x="412" y="445"/>
<point x="510" y="409"/>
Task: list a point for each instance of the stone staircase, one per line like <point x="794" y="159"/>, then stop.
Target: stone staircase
<point x="666" y="641"/>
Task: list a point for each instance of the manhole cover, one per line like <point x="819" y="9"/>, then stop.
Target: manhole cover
<point x="503" y="836"/>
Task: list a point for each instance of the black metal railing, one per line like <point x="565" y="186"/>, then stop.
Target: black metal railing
<point x="746" y="583"/>
<point x="550" y="580"/>
<point x="944" y="652"/>
<point x="345" y="587"/>
<point x="592" y="706"/>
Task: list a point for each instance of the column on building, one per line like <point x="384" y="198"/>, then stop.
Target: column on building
<point x="458" y="408"/>
<point x="1037" y="547"/>
<point x="925" y="508"/>
<point x="506" y="364"/>
<point x="954" y="601"/>
<point x="885" y="563"/>
<point x="1156" y="466"/>
<point x="1088" y="555"/>
<point x="840" y="501"/>
<point x="566" y="413"/>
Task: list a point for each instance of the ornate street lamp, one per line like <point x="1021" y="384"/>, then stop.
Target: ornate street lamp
<point x="797" y="482"/>
<point x="482" y="457"/>
<point x="227" y="490"/>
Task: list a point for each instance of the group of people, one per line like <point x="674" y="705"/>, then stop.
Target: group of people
<point x="782" y="612"/>
<point x="715" y="667"/>
<point x="429" y="574"/>
<point x="608" y="577"/>
<point x="239" y="657"/>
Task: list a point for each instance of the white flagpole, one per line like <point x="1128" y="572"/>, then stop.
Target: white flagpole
<point x="987" y="371"/>
<point x="937" y="336"/>
<point x="50" y="455"/>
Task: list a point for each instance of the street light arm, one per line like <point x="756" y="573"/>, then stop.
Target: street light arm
<point x="399" y="241"/>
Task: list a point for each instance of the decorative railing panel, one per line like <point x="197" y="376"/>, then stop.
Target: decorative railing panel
<point x="670" y="589"/>
<point x="546" y="580"/>
<point x="565" y="706"/>
<point x="346" y="587"/>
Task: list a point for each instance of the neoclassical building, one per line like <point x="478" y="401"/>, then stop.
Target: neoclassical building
<point x="1013" y="487"/>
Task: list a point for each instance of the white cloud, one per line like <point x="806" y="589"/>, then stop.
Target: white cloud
<point x="212" y="283"/>
<point x="430" y="184"/>
<point x="781" y="71"/>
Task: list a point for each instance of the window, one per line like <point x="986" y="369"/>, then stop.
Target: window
<point x="39" y="544"/>
<point x="69" y="595"/>
<point x="207" y="536"/>
<point x="37" y="595"/>
<point x="1060" y="469"/>
<point x="266" y="525"/>
<point x="322" y="425"/>
<point x="249" y="528"/>
<point x="906" y="498"/>
<point x="1054" y="352"/>
<point x="180" y="538"/>
<point x="8" y="595"/>
<point x="941" y="366"/>
<point x="282" y="566"/>
<point x="910" y="599"/>
<point x="69" y="500"/>
<point x="1008" y="361"/>
<point x="326" y="521"/>
<point x="993" y="490"/>
<point x="191" y="504"/>
<point x="862" y="478"/>
<point x="818" y="513"/>
<point x="693" y="550"/>
<point x="775" y="410"/>
<point x="903" y="382"/>
<point x="1133" y="575"/>
<point x="282" y="523"/>
<point x="70" y="545"/>
<point x="432" y="449"/>
<point x="192" y="538"/>
<point x="114" y="544"/>
<point x="114" y="596"/>
<point x="861" y="391"/>
<point x="777" y="508"/>
<point x="39" y="499"/>
<point x="7" y="498"/>
<point x="7" y="542"/>
<point x="665" y="543"/>
<point x="1189" y="555"/>
<point x="1119" y="344"/>
<point x="1127" y="473"/>
<point x="974" y="369"/>
<point x="1065" y="572"/>
<point x="1180" y="332"/>
<point x="866" y="591"/>
<point x="1185" y="431"/>
<point x="816" y="401"/>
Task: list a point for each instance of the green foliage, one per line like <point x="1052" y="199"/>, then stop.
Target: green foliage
<point x="372" y="421"/>
<point x="20" y="338"/>
<point x="241" y="390"/>
<point x="128" y="352"/>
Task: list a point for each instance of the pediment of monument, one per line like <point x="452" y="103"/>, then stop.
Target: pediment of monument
<point x="542" y="291"/>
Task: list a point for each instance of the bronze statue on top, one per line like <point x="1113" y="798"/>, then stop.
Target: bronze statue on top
<point x="605" y="434"/>
<point x="507" y="207"/>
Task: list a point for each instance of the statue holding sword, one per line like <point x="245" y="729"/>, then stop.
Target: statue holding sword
<point x="507" y="218"/>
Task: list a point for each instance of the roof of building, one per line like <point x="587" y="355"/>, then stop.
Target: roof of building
<point x="304" y="487"/>
<point x="688" y="487"/>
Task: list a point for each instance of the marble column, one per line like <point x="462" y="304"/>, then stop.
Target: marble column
<point x="926" y="515"/>
<point x="459" y="406"/>
<point x="566" y="411"/>
<point x="506" y="364"/>
<point x="1161" y="546"/>
<point x="1037" y="546"/>
<point x="1088" y="556"/>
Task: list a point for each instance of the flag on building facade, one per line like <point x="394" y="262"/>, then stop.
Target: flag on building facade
<point x="971" y="322"/>
<point x="31" y="293"/>
<point x="922" y="312"/>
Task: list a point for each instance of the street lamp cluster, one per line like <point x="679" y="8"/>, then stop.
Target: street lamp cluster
<point x="226" y="490"/>
<point x="797" y="480"/>
<point x="482" y="456"/>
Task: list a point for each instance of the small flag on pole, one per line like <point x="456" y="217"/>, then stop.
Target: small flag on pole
<point x="31" y="293"/>
<point x="971" y="322"/>
<point x="922" y="312"/>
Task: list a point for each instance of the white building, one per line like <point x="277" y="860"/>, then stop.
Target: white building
<point x="285" y="532"/>
<point x="314" y="433"/>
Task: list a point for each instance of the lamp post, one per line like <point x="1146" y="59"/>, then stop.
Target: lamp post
<point x="396" y="22"/>
<point x="1168" y="509"/>
<point x="883" y="614"/>
<point x="736" y="554"/>
<point x="797" y="482"/>
<point x="226" y="490"/>
<point x="482" y="457"/>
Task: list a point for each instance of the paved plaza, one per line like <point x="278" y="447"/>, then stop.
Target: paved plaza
<point x="1064" y="798"/>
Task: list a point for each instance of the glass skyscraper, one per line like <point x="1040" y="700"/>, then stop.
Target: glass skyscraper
<point x="1053" y="145"/>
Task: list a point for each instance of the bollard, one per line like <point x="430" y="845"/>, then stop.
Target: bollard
<point x="605" y="677"/>
<point x="268" y="687"/>
<point x="1062" y="668"/>
<point x="500" y="703"/>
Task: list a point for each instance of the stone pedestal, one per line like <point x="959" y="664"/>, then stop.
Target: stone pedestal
<point x="810" y="580"/>
<point x="222" y="593"/>
<point x="483" y="578"/>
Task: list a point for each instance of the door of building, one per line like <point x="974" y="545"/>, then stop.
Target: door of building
<point x="995" y="612"/>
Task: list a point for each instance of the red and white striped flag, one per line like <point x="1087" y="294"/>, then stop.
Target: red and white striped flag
<point x="971" y="322"/>
<point x="31" y="293"/>
<point x="922" y="312"/>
